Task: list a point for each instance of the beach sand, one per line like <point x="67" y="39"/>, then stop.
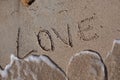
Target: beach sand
<point x="58" y="28"/>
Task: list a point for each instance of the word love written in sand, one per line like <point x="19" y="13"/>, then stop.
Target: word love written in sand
<point x="46" y="40"/>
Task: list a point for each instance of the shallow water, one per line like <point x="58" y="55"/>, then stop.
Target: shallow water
<point x="31" y="68"/>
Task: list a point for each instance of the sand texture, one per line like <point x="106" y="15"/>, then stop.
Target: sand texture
<point x="59" y="29"/>
<point x="86" y="65"/>
<point x="32" y="68"/>
<point x="113" y="62"/>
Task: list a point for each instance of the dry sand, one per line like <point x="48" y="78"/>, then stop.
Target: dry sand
<point x="58" y="28"/>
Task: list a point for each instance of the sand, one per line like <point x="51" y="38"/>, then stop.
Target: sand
<point x="57" y="28"/>
<point x="32" y="68"/>
<point x="86" y="65"/>
<point x="113" y="61"/>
